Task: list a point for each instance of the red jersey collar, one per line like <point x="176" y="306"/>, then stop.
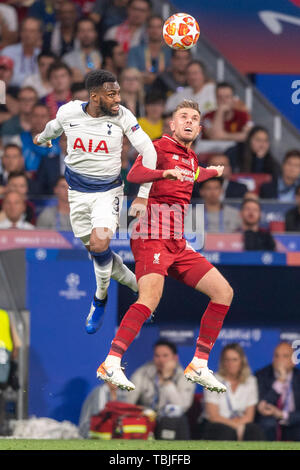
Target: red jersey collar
<point x="188" y="151"/>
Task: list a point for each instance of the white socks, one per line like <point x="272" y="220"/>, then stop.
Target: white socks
<point x="103" y="275"/>
<point x="197" y="362"/>
<point x="122" y="274"/>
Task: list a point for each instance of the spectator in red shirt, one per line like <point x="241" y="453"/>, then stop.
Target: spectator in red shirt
<point x="226" y="122"/>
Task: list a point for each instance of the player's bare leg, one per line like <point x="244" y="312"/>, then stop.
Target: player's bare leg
<point x="150" y="290"/>
<point x="215" y="286"/>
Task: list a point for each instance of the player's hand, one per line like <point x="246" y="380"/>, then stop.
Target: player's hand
<point x="35" y="141"/>
<point x="138" y="207"/>
<point x="219" y="168"/>
<point x="173" y="175"/>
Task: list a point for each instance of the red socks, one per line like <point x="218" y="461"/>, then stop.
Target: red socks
<point x="129" y="327"/>
<point x="210" y="327"/>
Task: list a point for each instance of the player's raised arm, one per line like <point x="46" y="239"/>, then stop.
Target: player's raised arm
<point x="52" y="130"/>
<point x="203" y="174"/>
<point x="140" y="174"/>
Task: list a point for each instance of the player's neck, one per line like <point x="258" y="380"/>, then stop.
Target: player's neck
<point x="93" y="111"/>
<point x="187" y="145"/>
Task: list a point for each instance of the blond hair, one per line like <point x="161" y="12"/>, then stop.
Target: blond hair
<point x="188" y="104"/>
<point x="244" y="371"/>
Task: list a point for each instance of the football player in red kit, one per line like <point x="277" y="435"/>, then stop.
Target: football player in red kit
<point x="157" y="255"/>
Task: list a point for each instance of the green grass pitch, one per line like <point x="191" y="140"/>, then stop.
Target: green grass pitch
<point x="133" y="445"/>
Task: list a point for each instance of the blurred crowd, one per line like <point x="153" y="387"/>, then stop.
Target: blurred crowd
<point x="46" y="49"/>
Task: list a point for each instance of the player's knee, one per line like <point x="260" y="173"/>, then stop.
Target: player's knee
<point x="98" y="245"/>
<point x="223" y="295"/>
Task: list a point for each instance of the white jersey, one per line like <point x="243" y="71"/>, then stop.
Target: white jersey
<point x="94" y="145"/>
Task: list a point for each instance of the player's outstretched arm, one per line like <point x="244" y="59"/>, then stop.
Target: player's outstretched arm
<point x="140" y="174"/>
<point x="204" y="174"/>
<point x="52" y="130"/>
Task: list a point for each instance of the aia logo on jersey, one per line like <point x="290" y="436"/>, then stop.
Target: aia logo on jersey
<point x="98" y="146"/>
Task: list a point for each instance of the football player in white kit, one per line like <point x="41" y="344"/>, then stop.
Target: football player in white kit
<point x="95" y="131"/>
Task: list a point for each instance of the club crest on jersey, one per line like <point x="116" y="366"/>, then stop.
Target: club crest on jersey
<point x="109" y="128"/>
<point x="156" y="258"/>
<point x="98" y="146"/>
<point x="135" y="128"/>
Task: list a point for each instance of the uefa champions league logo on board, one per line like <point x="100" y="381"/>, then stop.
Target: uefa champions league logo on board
<point x="72" y="293"/>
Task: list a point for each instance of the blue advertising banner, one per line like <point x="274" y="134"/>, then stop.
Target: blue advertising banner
<point x="63" y="358"/>
<point x="257" y="36"/>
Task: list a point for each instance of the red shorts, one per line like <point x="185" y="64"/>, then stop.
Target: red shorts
<point x="175" y="258"/>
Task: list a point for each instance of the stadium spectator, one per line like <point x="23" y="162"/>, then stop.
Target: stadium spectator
<point x="131" y="32"/>
<point x="18" y="181"/>
<point x="279" y="396"/>
<point x="46" y="12"/>
<point x="152" y="57"/>
<point x="109" y="13"/>
<point x="226" y="122"/>
<point x="152" y="122"/>
<point x="283" y="186"/>
<point x="218" y="217"/>
<point x="25" y="53"/>
<point x="39" y="81"/>
<point x="79" y="92"/>
<point x="11" y="106"/>
<point x="292" y="216"/>
<point x="10" y="345"/>
<point x="254" y="155"/>
<point x="63" y="34"/>
<point x="114" y="58"/>
<point x="255" y="238"/>
<point x="8" y="25"/>
<point x="167" y="117"/>
<point x="27" y="98"/>
<point x="86" y="56"/>
<point x="57" y="217"/>
<point x="173" y="79"/>
<point x="32" y="153"/>
<point x="95" y="402"/>
<point x="160" y="385"/>
<point x="230" y="416"/>
<point x="231" y="189"/>
<point x="14" y="209"/>
<point x="60" y="78"/>
<point x="131" y="83"/>
<point x="199" y="89"/>
<point x="12" y="162"/>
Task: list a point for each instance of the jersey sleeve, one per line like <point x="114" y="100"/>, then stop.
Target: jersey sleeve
<point x="203" y="174"/>
<point x="143" y="144"/>
<point x="53" y="129"/>
<point x="141" y="174"/>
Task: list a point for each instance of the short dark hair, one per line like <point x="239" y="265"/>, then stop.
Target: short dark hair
<point x="58" y="65"/>
<point x="199" y="63"/>
<point x="250" y="199"/>
<point x="219" y="179"/>
<point x="96" y="78"/>
<point x="154" y="17"/>
<point x="77" y="86"/>
<point x="146" y="1"/>
<point x="47" y="54"/>
<point x="225" y="85"/>
<point x="174" y="51"/>
<point x="165" y="342"/>
<point x="11" y="145"/>
<point x="17" y="174"/>
<point x="153" y="98"/>
<point x="291" y="153"/>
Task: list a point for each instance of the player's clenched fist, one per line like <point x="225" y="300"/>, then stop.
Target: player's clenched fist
<point x="219" y="168"/>
<point x="173" y="175"/>
<point x="35" y="141"/>
<point x="138" y="207"/>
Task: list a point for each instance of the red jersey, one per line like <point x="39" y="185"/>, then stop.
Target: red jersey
<point x="168" y="200"/>
<point x="235" y="124"/>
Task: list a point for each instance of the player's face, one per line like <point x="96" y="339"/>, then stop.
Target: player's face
<point x="185" y="125"/>
<point x="108" y="99"/>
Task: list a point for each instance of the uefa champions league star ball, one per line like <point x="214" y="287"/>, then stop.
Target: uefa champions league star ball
<point x="181" y="31"/>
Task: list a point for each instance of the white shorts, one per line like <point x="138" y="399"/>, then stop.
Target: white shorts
<point x="95" y="210"/>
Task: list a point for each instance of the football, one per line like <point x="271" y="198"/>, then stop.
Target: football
<point x="181" y="31"/>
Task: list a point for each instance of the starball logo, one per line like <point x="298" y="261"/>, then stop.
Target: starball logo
<point x="2" y="92"/>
